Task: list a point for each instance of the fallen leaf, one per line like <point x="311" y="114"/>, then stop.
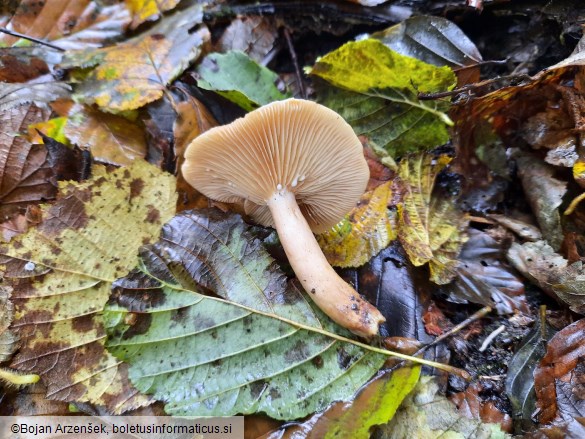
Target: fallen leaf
<point x="111" y="139"/>
<point x="558" y="379"/>
<point x="253" y="35"/>
<point x="62" y="271"/>
<point x="429" y="227"/>
<point x="12" y="95"/>
<point x="31" y="401"/>
<point x="366" y="230"/>
<point x="436" y="41"/>
<point x="144" y="10"/>
<point x="520" y="377"/>
<point x="573" y="428"/>
<point x="25" y="174"/>
<point x="252" y="87"/>
<point x="8" y="341"/>
<point x="472" y="406"/>
<point x="425" y="414"/>
<point x="484" y="278"/>
<point x="545" y="194"/>
<point x="375" y="404"/>
<point x="377" y="94"/>
<point x="192" y="120"/>
<point x="70" y="25"/>
<point x="259" y="326"/>
<point x="136" y="72"/>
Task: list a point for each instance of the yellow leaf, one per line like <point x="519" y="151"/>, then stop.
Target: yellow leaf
<point x="429" y="227"/>
<point x="52" y="128"/>
<point x="143" y="10"/>
<point x="365" y="231"/>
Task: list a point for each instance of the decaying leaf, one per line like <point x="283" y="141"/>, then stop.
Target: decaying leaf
<point x="366" y="230"/>
<point x="7" y="338"/>
<point x="12" y="95"/>
<point x="429" y="227"/>
<point x="434" y="40"/>
<point x="259" y="326"/>
<point x="111" y="139"/>
<point x="377" y="94"/>
<point x="192" y="119"/>
<point x="71" y="25"/>
<point x="558" y="379"/>
<point x="252" y="87"/>
<point x="253" y="35"/>
<point x="471" y="405"/>
<point x="551" y="272"/>
<point x="136" y="72"/>
<point x="573" y="428"/>
<point x="520" y="378"/>
<point x="25" y="174"/>
<point x="375" y="404"/>
<point x="62" y="271"/>
<point x="426" y="415"/>
<point x="484" y="278"/>
<point x="545" y="194"/>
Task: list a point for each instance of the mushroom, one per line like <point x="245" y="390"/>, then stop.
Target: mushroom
<point x="298" y="167"/>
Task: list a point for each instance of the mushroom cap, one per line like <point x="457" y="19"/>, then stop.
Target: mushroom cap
<point x="294" y="145"/>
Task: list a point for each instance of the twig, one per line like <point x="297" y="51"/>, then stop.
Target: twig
<point x="491" y="337"/>
<point x="293" y="56"/>
<point x="513" y="80"/>
<point x="33" y="39"/>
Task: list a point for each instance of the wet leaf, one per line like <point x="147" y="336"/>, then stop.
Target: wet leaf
<point x="192" y="120"/>
<point x="573" y="428"/>
<point x="471" y="405"/>
<point x="434" y="40"/>
<point x="520" y="378"/>
<point x="70" y="25"/>
<point x="62" y="271"/>
<point x="246" y="354"/>
<point x="7" y="338"/>
<point x="484" y="278"/>
<point x="253" y="35"/>
<point x="366" y="230"/>
<point x="559" y="377"/>
<point x="25" y="173"/>
<point x="136" y="72"/>
<point x="377" y="94"/>
<point x="551" y="272"/>
<point x="12" y="95"/>
<point x="375" y="404"/>
<point x="425" y="414"/>
<point x="143" y="10"/>
<point x="429" y="227"/>
<point x="545" y="194"/>
<point x="252" y="87"/>
<point x="111" y="139"/>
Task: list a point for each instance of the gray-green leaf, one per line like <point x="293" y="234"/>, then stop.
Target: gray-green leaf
<point x="252" y="349"/>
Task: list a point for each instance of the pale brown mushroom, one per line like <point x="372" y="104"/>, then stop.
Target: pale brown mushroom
<point x="298" y="167"/>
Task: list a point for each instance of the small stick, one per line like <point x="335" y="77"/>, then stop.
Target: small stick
<point x="574" y="204"/>
<point x="33" y="39"/>
<point x="491" y="337"/>
<point x="293" y="56"/>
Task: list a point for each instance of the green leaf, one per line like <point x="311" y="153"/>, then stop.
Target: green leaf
<point x="258" y="347"/>
<point x="376" y="92"/>
<point x="61" y="273"/>
<point x="237" y="77"/>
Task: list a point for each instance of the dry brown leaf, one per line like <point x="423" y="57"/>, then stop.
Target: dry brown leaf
<point x="253" y="35"/>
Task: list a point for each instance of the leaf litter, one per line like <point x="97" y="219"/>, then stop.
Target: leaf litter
<point x="539" y="116"/>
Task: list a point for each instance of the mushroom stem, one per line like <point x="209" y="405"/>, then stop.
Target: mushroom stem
<point x="331" y="293"/>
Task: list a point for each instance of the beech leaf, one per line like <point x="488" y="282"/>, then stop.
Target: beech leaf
<point x="136" y="72"/>
<point x="260" y="347"/>
<point x="143" y="10"/>
<point x="376" y="92"/>
<point x="363" y="233"/>
<point x="7" y="338"/>
<point x="429" y="227"/>
<point x="62" y="271"/>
